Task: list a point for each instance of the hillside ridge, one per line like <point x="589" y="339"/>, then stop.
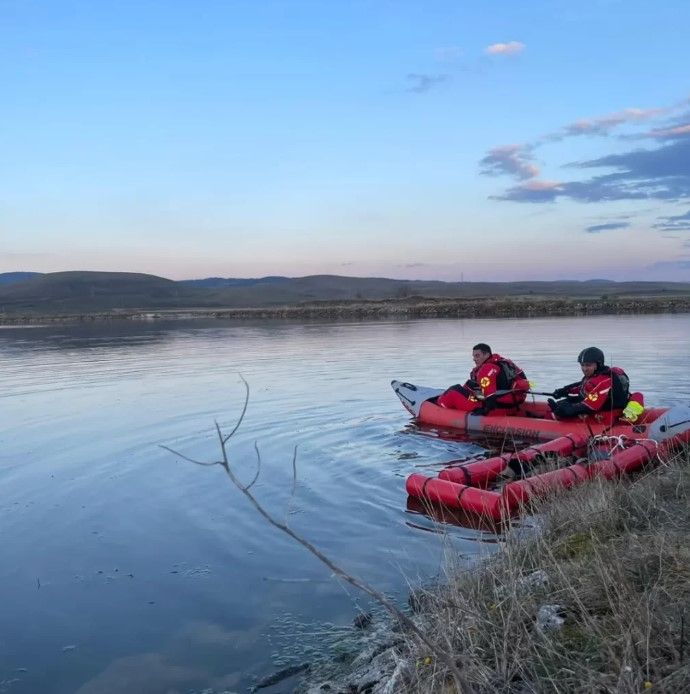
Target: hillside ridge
<point x="95" y="292"/>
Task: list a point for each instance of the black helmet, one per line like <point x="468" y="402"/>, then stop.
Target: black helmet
<point x="591" y="355"/>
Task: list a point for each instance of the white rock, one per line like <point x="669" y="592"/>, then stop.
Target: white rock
<point x="549" y="618"/>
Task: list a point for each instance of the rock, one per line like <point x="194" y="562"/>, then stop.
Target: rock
<point x="378" y="670"/>
<point x="537" y="579"/>
<point x="280" y="676"/>
<point x="550" y="618"/>
<point x="382" y="673"/>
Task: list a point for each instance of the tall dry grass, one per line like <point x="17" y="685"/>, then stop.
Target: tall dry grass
<point x="597" y="599"/>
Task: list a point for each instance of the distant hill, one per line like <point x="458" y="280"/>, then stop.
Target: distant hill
<point x="71" y="292"/>
<point x="215" y="282"/>
<point x="89" y="292"/>
<point x="14" y="277"/>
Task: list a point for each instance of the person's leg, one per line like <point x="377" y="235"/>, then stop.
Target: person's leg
<point x="458" y="398"/>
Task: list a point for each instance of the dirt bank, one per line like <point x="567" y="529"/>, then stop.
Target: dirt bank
<point x="519" y="307"/>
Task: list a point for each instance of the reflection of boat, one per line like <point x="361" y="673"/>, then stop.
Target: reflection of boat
<point x="440" y="513"/>
<point x="598" y="452"/>
<point x="533" y="420"/>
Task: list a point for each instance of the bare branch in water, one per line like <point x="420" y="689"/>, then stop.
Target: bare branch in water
<point x="294" y="471"/>
<point x="244" y="409"/>
<point x="189" y="460"/>
<point x="258" y="466"/>
<point x="294" y="484"/>
<point x="443" y="655"/>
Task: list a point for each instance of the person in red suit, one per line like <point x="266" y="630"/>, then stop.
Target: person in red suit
<point x="492" y="374"/>
<point x="603" y="392"/>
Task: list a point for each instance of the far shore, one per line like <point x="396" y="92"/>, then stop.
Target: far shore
<point x="516" y="307"/>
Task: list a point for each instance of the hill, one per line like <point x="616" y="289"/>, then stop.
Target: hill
<point x="14" y="277"/>
<point x="69" y="292"/>
<point x="215" y="282"/>
<point x="95" y="292"/>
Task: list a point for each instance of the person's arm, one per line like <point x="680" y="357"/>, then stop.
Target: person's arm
<point x="472" y="381"/>
<point x="572" y="390"/>
<point x="597" y="390"/>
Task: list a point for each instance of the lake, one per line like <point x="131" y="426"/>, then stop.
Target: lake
<point x="125" y="568"/>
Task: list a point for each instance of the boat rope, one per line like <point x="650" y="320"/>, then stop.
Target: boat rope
<point x="621" y="442"/>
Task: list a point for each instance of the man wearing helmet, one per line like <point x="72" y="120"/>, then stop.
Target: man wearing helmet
<point x="603" y="392"/>
<point x="492" y="374"/>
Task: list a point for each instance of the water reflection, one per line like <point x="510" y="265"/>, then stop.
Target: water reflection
<point x="442" y="516"/>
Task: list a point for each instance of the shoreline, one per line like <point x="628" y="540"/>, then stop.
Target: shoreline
<point x="522" y="307"/>
<point x="592" y="596"/>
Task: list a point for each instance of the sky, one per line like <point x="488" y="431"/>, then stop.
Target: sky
<point x="450" y="140"/>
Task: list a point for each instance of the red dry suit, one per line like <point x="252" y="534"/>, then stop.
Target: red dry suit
<point x="602" y="396"/>
<point x="496" y="374"/>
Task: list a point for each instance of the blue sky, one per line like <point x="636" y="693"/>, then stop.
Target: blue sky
<point x="476" y="140"/>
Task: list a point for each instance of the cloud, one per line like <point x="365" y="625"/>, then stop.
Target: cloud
<point x="516" y="160"/>
<point x="668" y="162"/>
<point x="509" y="159"/>
<point x="596" y="228"/>
<point x="654" y="174"/>
<point x="600" y="219"/>
<point x="510" y="48"/>
<point x="671" y="133"/>
<point x="605" y="124"/>
<point x="678" y="128"/>
<point x="660" y="172"/>
<point x="420" y="84"/>
<point x="532" y="191"/>
<point x="679" y="222"/>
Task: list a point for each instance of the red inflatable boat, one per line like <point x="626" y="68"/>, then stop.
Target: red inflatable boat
<point x="466" y="486"/>
<point x="599" y="451"/>
<point x="532" y="420"/>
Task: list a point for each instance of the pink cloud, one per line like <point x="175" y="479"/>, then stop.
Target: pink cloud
<point x="509" y="159"/>
<point x="510" y="48"/>
<point x="541" y="185"/>
<point x="679" y="131"/>
<point x="604" y="124"/>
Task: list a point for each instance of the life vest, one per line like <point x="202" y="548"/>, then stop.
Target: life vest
<point x="620" y="387"/>
<point x="509" y="373"/>
<point x="500" y="374"/>
<point x="618" y="394"/>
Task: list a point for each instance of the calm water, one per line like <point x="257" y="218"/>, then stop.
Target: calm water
<point x="125" y="569"/>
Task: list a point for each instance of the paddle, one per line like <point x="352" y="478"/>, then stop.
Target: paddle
<point x="499" y="393"/>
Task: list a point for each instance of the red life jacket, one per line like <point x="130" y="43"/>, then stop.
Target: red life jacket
<point x="498" y="373"/>
<point x="607" y="389"/>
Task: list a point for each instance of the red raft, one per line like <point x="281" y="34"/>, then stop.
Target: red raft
<point x="466" y="485"/>
<point x="532" y="420"/>
<point x="602" y="449"/>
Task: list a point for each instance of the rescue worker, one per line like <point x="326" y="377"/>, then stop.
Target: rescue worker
<point x="603" y="393"/>
<point x="492" y="374"/>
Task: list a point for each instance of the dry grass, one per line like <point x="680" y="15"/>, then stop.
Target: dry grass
<point x="610" y="562"/>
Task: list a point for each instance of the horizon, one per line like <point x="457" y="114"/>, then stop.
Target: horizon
<point x="297" y="277"/>
<point x="291" y="138"/>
